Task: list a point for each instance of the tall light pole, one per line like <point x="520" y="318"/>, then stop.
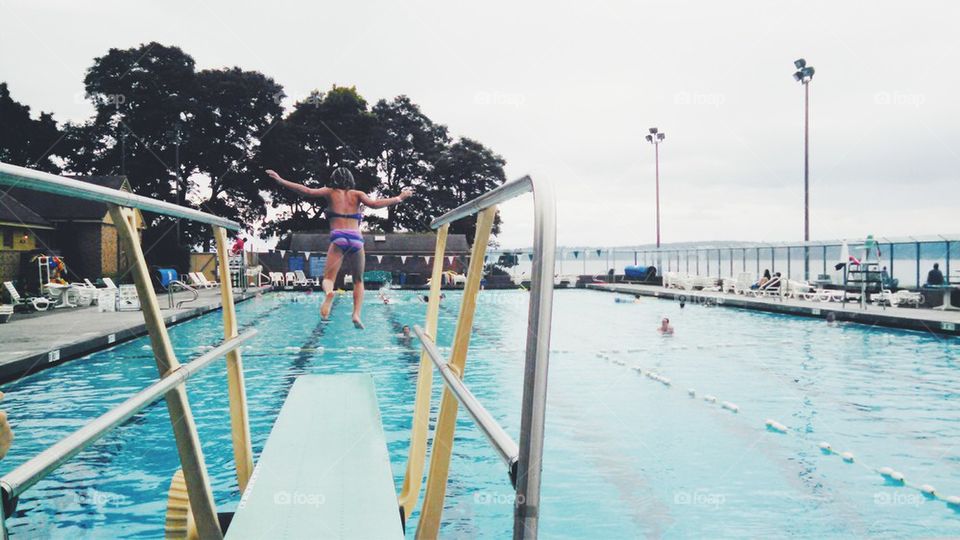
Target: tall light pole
<point x="804" y="75"/>
<point x="655" y="138"/>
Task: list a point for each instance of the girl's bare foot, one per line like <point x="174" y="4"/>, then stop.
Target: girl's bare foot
<point x="357" y="322"/>
<point x="327" y="305"/>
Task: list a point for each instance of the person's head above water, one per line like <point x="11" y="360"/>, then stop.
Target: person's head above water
<point x="406" y="330"/>
<point x="342" y="178"/>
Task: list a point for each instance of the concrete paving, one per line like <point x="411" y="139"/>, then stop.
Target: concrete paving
<point x="35" y="341"/>
<point x="926" y="320"/>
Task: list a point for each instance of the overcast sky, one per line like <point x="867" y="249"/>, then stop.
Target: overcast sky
<point x="566" y="92"/>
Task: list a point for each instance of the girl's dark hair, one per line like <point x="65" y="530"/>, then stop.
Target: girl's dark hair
<point x="342" y="178"/>
<point x="766" y="274"/>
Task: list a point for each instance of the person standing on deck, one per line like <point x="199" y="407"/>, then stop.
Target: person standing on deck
<point x="343" y="211"/>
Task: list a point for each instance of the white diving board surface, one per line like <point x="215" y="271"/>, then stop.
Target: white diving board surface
<point x="325" y="470"/>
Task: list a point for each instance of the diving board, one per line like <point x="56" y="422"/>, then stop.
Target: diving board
<point x="325" y="471"/>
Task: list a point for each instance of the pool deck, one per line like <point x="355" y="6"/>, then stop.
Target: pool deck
<point x="36" y="341"/>
<point x="923" y="320"/>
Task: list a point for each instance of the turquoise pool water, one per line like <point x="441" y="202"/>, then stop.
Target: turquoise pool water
<point x="626" y="456"/>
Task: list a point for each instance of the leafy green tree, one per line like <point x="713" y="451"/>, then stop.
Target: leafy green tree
<point x="466" y="169"/>
<point x="147" y="95"/>
<point x="233" y="110"/>
<point x="323" y="132"/>
<point x="26" y="141"/>
<point x="409" y="146"/>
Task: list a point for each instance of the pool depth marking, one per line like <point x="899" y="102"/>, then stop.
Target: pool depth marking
<point x="893" y="477"/>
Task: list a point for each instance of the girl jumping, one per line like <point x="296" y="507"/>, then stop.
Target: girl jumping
<point x="343" y="211"/>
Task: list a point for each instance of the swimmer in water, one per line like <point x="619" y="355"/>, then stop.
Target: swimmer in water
<point x="665" y="329"/>
<point x="831" y="319"/>
<point x="343" y="212"/>
<point x="426" y="297"/>
<point x="406" y="337"/>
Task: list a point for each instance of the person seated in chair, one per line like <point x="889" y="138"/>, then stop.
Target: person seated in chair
<point x="886" y="281"/>
<point x="935" y="276"/>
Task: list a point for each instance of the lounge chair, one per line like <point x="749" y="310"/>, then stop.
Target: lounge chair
<point x="798" y="289"/>
<point x="6" y="311"/>
<point x="206" y="282"/>
<point x="301" y="280"/>
<point x="770" y="289"/>
<point x="288" y="280"/>
<point x="276" y="279"/>
<point x="197" y="279"/>
<point x="37" y="303"/>
<point x="706" y="283"/>
<point x="744" y="281"/>
<point x="902" y="297"/>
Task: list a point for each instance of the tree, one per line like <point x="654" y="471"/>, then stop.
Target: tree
<point x="409" y="145"/>
<point x="233" y="110"/>
<point x="465" y="170"/>
<point x="146" y="94"/>
<point x="324" y="131"/>
<point x="26" y="141"/>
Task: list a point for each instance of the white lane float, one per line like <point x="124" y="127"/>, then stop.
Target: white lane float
<point x="732" y="407"/>
<point x="953" y="501"/>
<point x="847" y="456"/>
<point x="691" y="392"/>
<point x="897" y="476"/>
<point x="710" y="399"/>
<point x="825" y="447"/>
<point x="773" y="425"/>
<point x="928" y="491"/>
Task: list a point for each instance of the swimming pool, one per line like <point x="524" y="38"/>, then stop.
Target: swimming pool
<point x="625" y="455"/>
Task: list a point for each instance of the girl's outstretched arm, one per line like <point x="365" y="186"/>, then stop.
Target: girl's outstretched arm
<point x="299" y="188"/>
<point x="370" y="202"/>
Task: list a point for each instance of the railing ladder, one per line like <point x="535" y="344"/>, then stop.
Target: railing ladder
<point x="181" y="418"/>
<point x="413" y="479"/>
<point x="429" y="525"/>
<point x="236" y="388"/>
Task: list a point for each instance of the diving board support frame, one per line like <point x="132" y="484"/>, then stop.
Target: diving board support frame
<point x="181" y="417"/>
<point x="526" y="462"/>
<point x="419" y="431"/>
<point x="236" y="387"/>
<point x="429" y="525"/>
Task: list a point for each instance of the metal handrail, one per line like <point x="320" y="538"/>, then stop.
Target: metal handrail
<point x="537" y="354"/>
<point x="502" y="442"/>
<point x="502" y="193"/>
<point x="184" y="287"/>
<point x="14" y="176"/>
<point x="17" y="481"/>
